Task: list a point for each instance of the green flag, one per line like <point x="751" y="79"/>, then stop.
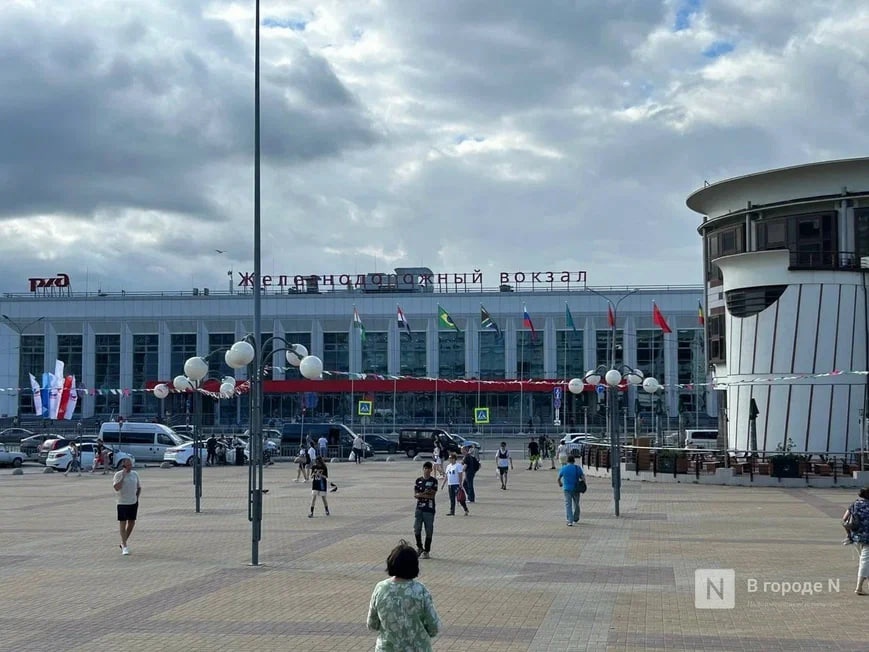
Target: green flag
<point x="357" y="323"/>
<point x="445" y="321"/>
<point x="570" y="323"/>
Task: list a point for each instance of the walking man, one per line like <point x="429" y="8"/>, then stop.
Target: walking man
<point x="504" y="462"/>
<point x="454" y="475"/>
<point x="568" y="479"/>
<point x="472" y="465"/>
<point x="323" y="444"/>
<point x="128" y="487"/>
<point x="358" y="446"/>
<point x="424" y="490"/>
<point x="533" y="454"/>
<point x="211" y="448"/>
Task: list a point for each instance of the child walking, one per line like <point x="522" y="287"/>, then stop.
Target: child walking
<point x="319" y="484"/>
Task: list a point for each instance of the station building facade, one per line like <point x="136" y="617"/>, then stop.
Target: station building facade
<point x="787" y="310"/>
<point x="120" y="345"/>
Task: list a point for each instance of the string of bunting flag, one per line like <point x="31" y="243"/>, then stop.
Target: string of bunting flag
<point x="244" y="387"/>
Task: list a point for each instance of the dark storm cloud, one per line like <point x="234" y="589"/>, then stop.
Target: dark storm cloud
<point x="87" y="124"/>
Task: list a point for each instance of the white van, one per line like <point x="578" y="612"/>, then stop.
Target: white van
<point x="147" y="442"/>
<point x="704" y="439"/>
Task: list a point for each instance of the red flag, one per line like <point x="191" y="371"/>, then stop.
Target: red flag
<point x="611" y="317"/>
<point x="659" y="320"/>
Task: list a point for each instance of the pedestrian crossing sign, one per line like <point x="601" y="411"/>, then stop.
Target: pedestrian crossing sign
<point x="365" y="408"/>
<point x="481" y="415"/>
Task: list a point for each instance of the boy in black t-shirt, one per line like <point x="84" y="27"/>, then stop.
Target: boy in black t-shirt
<point x="424" y="490"/>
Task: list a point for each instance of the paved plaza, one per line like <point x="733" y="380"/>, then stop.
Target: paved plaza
<point x="511" y="577"/>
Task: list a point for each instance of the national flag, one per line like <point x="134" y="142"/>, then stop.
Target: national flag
<point x="37" y="395"/>
<point x="73" y="398"/>
<point x="527" y="323"/>
<point x="64" y="397"/>
<point x="446" y="321"/>
<point x="45" y="390"/>
<point x="610" y="317"/>
<point x="569" y="318"/>
<point x="487" y="323"/>
<point x="402" y="322"/>
<point x="701" y="318"/>
<point x="658" y="319"/>
<point x="357" y="323"/>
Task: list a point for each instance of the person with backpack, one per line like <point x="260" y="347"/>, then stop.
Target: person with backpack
<point x="856" y="522"/>
<point x="472" y="465"/>
<point x="571" y="479"/>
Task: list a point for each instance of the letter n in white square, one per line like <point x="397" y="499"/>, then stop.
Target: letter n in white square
<point x="714" y="588"/>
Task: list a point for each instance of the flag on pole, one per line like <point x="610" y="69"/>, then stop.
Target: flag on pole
<point x="357" y="323"/>
<point x="45" y="390"/>
<point x="527" y="323"/>
<point x="37" y="395"/>
<point x="73" y="398"/>
<point x="445" y="320"/>
<point x="701" y="318"/>
<point x="487" y="323"/>
<point x="569" y="317"/>
<point x="658" y="319"/>
<point x="402" y="322"/>
<point x="64" y="397"/>
<point x="610" y="317"/>
<point x="55" y="390"/>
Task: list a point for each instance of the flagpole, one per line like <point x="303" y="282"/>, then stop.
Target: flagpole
<point x="394" y="385"/>
<point x="521" y="393"/>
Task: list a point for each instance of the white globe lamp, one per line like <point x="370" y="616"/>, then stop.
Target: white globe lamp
<point x="195" y="368"/>
<point x="296" y="353"/>
<point x="311" y="367"/>
<point x="182" y="383"/>
<point x="651" y="385"/>
<point x="575" y="386"/>
<point x="592" y="377"/>
<point x="239" y="355"/>
<point x="613" y="377"/>
<point x="161" y="391"/>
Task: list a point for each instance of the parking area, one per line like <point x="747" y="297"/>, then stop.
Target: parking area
<point x="509" y="577"/>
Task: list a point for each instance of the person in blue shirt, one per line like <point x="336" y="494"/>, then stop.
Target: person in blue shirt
<point x="568" y="479"/>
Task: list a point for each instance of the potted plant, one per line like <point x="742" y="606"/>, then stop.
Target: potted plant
<point x="785" y="463"/>
<point x="669" y="459"/>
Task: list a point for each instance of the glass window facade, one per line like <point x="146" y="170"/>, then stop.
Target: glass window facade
<point x="69" y="350"/>
<point x="183" y="346"/>
<point x="650" y="353"/>
<point x="413" y="358"/>
<point x="570" y="354"/>
<point x="145" y="348"/>
<point x="31" y="361"/>
<point x="724" y="242"/>
<point x="374" y="350"/>
<point x="529" y="355"/>
<point x="451" y="355"/>
<point x="107" y="374"/>
<point x="603" y="348"/>
<point x="336" y="351"/>
<point x="811" y="239"/>
<point x="491" y="356"/>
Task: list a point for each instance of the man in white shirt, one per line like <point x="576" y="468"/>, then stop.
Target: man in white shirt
<point x="358" y="446"/>
<point x="126" y="484"/>
<point x="454" y="476"/>
<point x="323" y="443"/>
<point x="312" y="452"/>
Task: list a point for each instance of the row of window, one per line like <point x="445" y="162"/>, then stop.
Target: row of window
<point x="811" y="238"/>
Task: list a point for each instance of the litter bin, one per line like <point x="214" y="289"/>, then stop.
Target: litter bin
<point x="239" y="455"/>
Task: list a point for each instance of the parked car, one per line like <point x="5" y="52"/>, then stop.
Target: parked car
<point x="30" y="445"/>
<point x="577" y="440"/>
<point x="474" y="446"/>
<point x="422" y="440"/>
<point x="15" y="458"/>
<point x="381" y="444"/>
<point x="182" y="455"/>
<point x="60" y="458"/>
<point x="49" y="445"/>
<point x="14" y="435"/>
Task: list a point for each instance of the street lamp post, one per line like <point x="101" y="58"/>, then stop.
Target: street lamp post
<point x="243" y="354"/>
<point x="195" y="372"/>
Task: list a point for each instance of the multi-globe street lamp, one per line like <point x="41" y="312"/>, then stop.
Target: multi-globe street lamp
<point x="195" y="374"/>
<point x="243" y="354"/>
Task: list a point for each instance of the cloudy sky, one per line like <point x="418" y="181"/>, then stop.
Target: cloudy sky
<point x="503" y="135"/>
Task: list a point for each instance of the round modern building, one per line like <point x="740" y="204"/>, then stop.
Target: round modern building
<point x="786" y="303"/>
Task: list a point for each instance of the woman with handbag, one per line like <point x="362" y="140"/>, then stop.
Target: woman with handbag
<point x="454" y="476"/>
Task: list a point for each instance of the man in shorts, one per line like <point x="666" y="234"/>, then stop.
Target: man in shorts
<point x="504" y="462"/>
<point x="128" y="487"/>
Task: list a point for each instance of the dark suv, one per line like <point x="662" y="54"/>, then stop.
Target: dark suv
<point x="422" y="440"/>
